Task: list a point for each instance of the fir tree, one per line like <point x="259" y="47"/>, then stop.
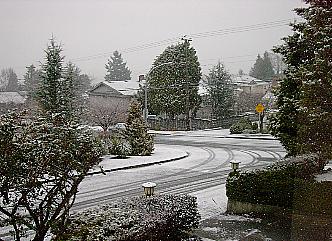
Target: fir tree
<point x="49" y="93"/>
<point x="262" y="68"/>
<point x="57" y="91"/>
<point x="136" y="132"/>
<point x="116" y="68"/>
<point x="75" y="88"/>
<point x="31" y="80"/>
<point x="9" y="80"/>
<point x="220" y="91"/>
<point x="304" y="121"/>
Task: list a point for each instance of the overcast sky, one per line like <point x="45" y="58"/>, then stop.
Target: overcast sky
<point x="90" y="30"/>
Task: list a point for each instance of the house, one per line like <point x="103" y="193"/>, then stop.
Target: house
<point x="10" y="100"/>
<point x="119" y="89"/>
<point x="251" y="85"/>
<point x="109" y="101"/>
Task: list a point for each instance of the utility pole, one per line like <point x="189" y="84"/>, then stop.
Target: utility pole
<point x="188" y="114"/>
<point x="146" y="101"/>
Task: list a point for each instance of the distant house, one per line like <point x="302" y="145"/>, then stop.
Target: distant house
<point x="114" y="91"/>
<point x="10" y="100"/>
<point x="120" y="89"/>
<point x="109" y="101"/>
<point x="251" y="85"/>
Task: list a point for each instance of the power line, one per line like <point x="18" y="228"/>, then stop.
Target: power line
<point x="266" y="25"/>
<point x="220" y="32"/>
<point x="129" y="50"/>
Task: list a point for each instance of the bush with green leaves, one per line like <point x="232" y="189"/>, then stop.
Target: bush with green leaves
<point x="254" y="126"/>
<point x="274" y="185"/>
<point x="164" y="217"/>
<point x="240" y="126"/>
<point x="119" y="147"/>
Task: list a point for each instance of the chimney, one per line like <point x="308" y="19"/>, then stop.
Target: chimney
<point x="141" y="78"/>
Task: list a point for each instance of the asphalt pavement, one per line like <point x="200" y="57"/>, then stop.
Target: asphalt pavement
<point x="163" y="154"/>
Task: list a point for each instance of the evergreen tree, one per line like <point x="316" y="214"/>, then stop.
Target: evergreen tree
<point x="9" y="81"/>
<point x="256" y="70"/>
<point x="304" y="121"/>
<point x="220" y="91"/>
<point x="31" y="80"/>
<point x="70" y="102"/>
<point x="57" y="91"/>
<point x="84" y="83"/>
<point x="277" y="63"/>
<point x="262" y="68"/>
<point x="77" y="85"/>
<point x="173" y="82"/>
<point x="49" y="93"/>
<point x="116" y="68"/>
<point x="136" y="132"/>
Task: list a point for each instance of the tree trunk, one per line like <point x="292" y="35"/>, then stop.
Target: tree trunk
<point x="40" y="234"/>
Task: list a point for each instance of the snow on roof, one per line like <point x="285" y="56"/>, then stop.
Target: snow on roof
<point x="11" y="97"/>
<point x="125" y="87"/>
<point x="247" y="80"/>
<point x="269" y="95"/>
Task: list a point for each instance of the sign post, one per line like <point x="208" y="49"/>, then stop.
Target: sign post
<point x="260" y="108"/>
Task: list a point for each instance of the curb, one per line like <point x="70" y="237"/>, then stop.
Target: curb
<point x="136" y="166"/>
<point x="248" y="137"/>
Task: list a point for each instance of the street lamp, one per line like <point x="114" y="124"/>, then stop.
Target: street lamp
<point x="149" y="188"/>
<point x="235" y="165"/>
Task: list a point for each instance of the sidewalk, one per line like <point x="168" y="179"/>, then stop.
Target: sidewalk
<point x="214" y="133"/>
<point x="161" y="154"/>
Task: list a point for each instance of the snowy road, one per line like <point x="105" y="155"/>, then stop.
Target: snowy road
<point x="206" y="166"/>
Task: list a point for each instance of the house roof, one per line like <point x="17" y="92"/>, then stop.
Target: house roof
<point x="246" y="79"/>
<point x="11" y="97"/>
<point x="127" y="87"/>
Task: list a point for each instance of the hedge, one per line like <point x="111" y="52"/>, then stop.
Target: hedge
<point x="274" y="185"/>
<point x="164" y="217"/>
<point x="314" y="198"/>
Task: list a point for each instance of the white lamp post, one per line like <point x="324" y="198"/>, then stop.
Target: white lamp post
<point x="149" y="188"/>
<point x="235" y="165"/>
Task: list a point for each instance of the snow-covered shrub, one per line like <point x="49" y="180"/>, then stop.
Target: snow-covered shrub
<point x="240" y="126"/>
<point x="274" y="185"/>
<point x="119" y="147"/>
<point x="254" y="126"/>
<point x="164" y="217"/>
<point x="236" y="129"/>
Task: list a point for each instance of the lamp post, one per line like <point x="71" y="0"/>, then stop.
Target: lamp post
<point x="235" y="165"/>
<point x="149" y="188"/>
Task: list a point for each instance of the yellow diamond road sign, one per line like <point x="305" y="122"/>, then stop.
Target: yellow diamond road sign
<point x="259" y="108"/>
